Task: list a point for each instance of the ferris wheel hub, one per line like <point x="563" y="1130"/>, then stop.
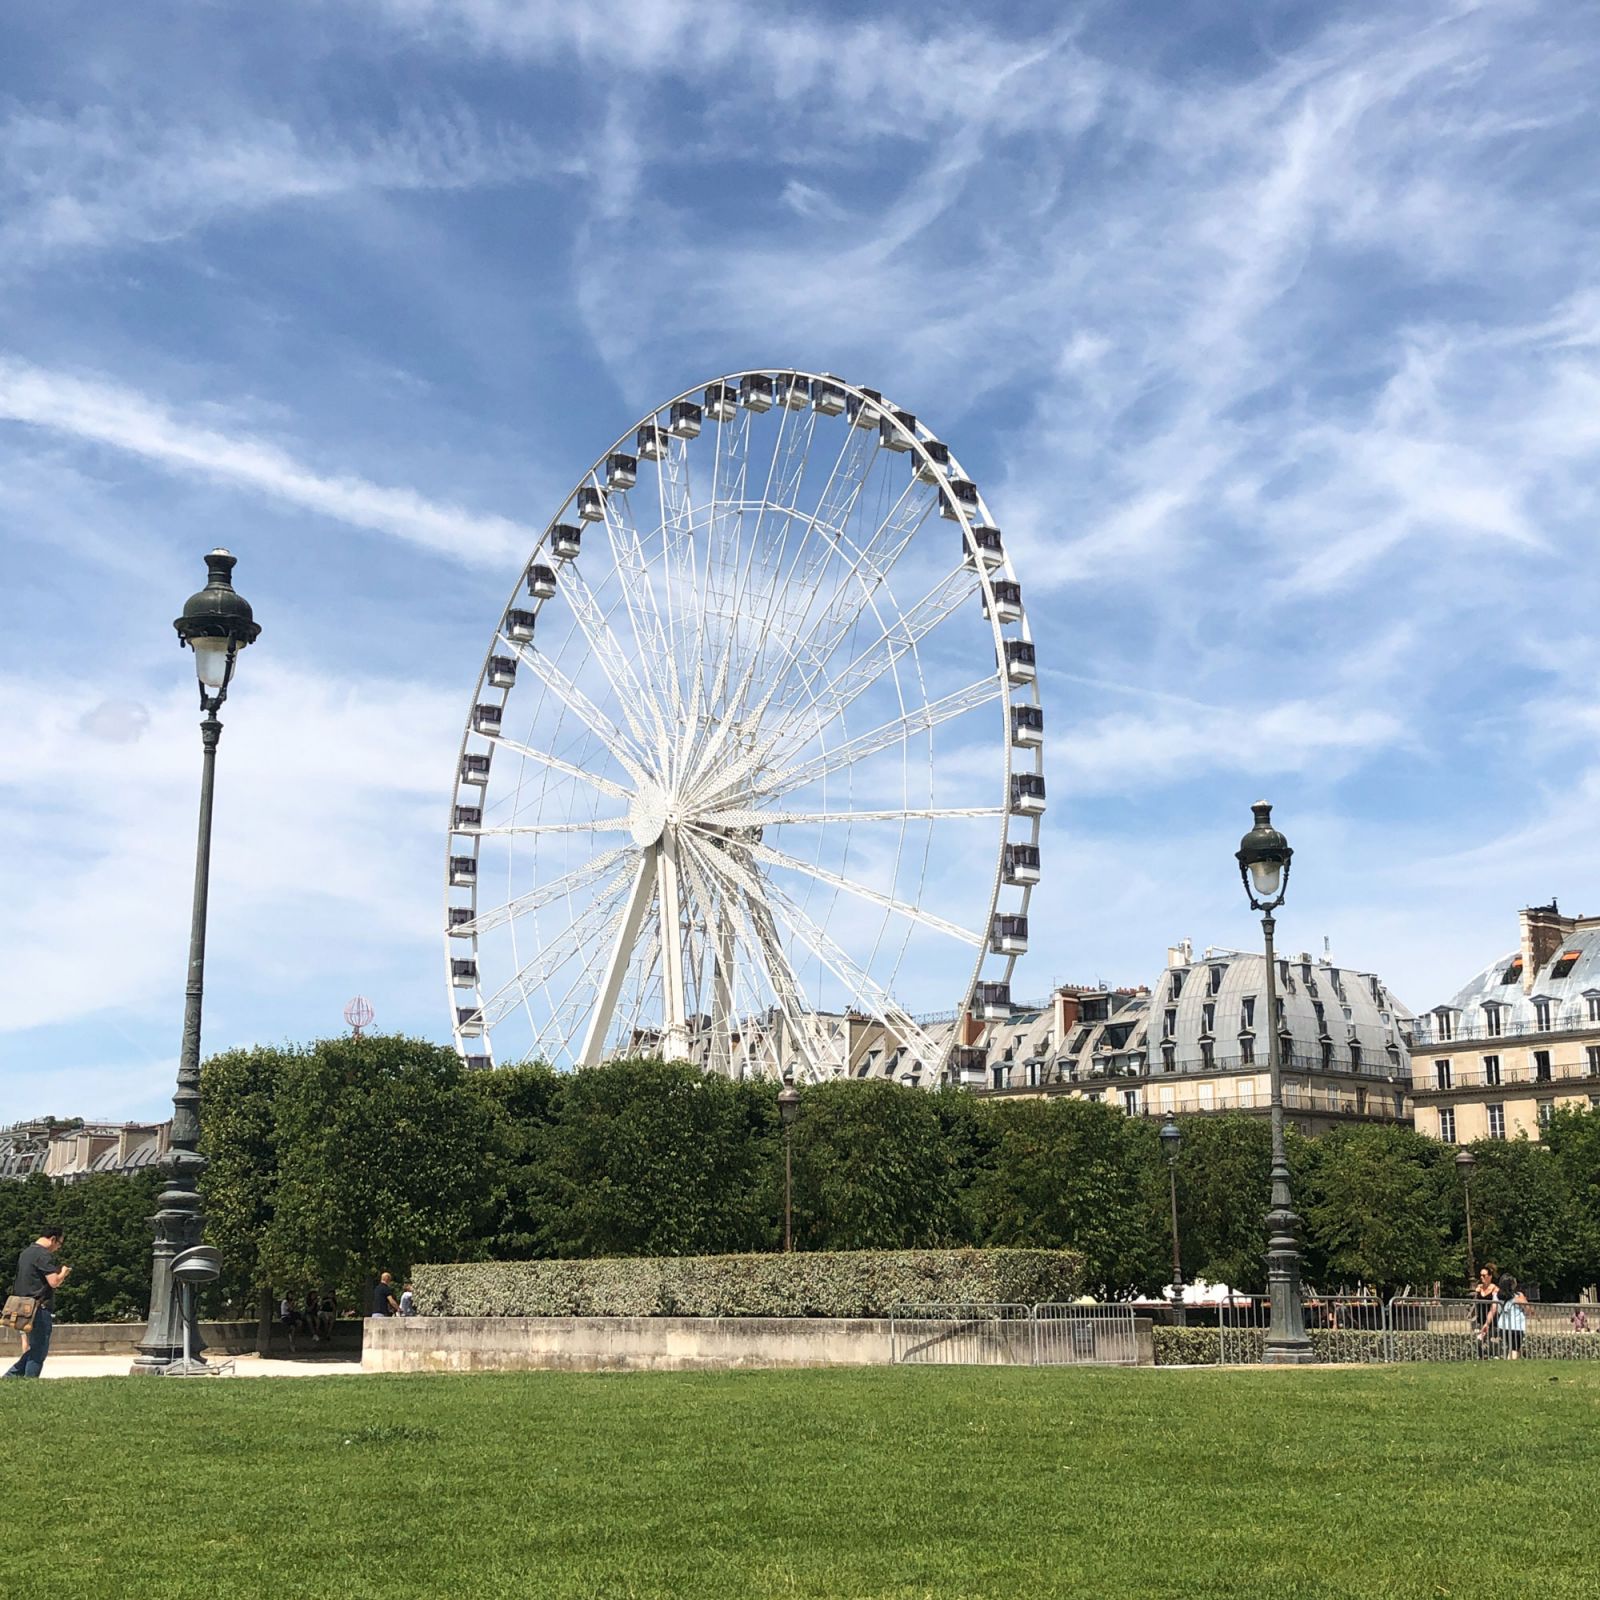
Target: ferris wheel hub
<point x="648" y="815"/>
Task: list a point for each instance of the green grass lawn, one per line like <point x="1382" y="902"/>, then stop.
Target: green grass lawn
<point x="1477" y="1480"/>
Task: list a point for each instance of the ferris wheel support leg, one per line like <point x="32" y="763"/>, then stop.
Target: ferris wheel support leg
<point x="644" y="884"/>
<point x="675" y="1040"/>
<point x="722" y="999"/>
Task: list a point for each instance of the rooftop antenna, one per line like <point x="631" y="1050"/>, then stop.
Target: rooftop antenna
<point x="359" y="1015"/>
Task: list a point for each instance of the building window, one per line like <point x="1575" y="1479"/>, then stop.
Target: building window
<point x="1033" y="1074"/>
<point x="1177" y="984"/>
<point x="1442" y="1025"/>
<point x="1491" y="1071"/>
<point x="1441" y="1074"/>
<point x="1563" y="967"/>
<point x="1491" y="1020"/>
<point x="1497" y="1121"/>
<point x="1247" y="1049"/>
<point x="1327" y="1054"/>
<point x="1208" y="1018"/>
<point x="1169" y="1058"/>
<point x="1593" y="1053"/>
<point x="1130" y="1102"/>
<point x="1447" y="1124"/>
<point x="1541" y="1015"/>
<point x="1355" y="1055"/>
<point x="1169" y="1024"/>
<point x="1594" y="1008"/>
<point x="999" y="1077"/>
<point x="1546" y="1111"/>
<point x="1216" y="981"/>
<point x="1247" y="1012"/>
<point x="1513" y="972"/>
<point x="1322" y="1021"/>
<point x="1541" y="1066"/>
<point x="1208" y="1054"/>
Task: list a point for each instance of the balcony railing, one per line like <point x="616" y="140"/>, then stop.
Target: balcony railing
<point x="1295" y="1099"/>
<point x="1574" y="1018"/>
<point x="1426" y="1081"/>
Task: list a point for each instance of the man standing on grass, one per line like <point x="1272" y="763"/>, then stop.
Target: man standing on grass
<point x="39" y="1275"/>
<point x="384" y="1303"/>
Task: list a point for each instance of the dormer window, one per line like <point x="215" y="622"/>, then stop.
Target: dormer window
<point x="1444" y="1026"/>
<point x="1565" y="963"/>
<point x="1513" y="973"/>
<point x="1491" y="1020"/>
<point x="1541" y="1015"/>
<point x="1169" y="1023"/>
<point x="1208" y="1018"/>
<point x="1247" y="1012"/>
<point x="1216" y="980"/>
<point x="1177" y="983"/>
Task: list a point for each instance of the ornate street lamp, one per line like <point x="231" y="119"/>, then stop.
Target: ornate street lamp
<point x="216" y="625"/>
<point x="1465" y="1162"/>
<point x="788" y="1110"/>
<point x="1264" y="857"/>
<point x="1171" y="1140"/>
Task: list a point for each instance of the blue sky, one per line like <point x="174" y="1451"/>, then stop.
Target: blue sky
<point x="1275" y="344"/>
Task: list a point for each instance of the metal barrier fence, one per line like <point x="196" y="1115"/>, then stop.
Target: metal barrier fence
<point x="1084" y="1336"/>
<point x="1353" y="1328"/>
<point x="989" y="1333"/>
<point x="966" y="1333"/>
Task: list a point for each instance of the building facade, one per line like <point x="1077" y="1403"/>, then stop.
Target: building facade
<point x="1197" y="1041"/>
<point x="1520" y="1039"/>
<point x="68" y="1151"/>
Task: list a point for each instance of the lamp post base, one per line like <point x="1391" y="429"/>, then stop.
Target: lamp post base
<point x="1288" y="1355"/>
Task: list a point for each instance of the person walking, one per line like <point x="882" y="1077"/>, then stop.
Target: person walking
<point x="1511" y="1317"/>
<point x="408" y="1302"/>
<point x="1483" y="1299"/>
<point x="289" y="1318"/>
<point x="39" y="1275"/>
<point x="384" y="1303"/>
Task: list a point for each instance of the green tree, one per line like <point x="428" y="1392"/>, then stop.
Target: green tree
<point x="523" y="1100"/>
<point x="385" y="1157"/>
<point x="874" y="1170"/>
<point x="1075" y="1173"/>
<point x="1224" y="1168"/>
<point x="1376" y="1207"/>
<point x="1525" y="1217"/>
<point x="238" y="1135"/>
<point x="654" y="1158"/>
<point x="1573" y="1138"/>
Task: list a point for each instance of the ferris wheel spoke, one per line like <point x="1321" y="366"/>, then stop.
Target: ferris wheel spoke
<point x="921" y="719"/>
<point x="565" y="690"/>
<point x="565" y="768"/>
<point x="791" y="732"/>
<point x="607" y="650"/>
<point x="856" y="980"/>
<point x="756" y="930"/>
<point x="546" y="893"/>
<point x="594" y="825"/>
<point x="555" y="955"/>
<point x="657" y="661"/>
<point x="743" y="817"/>
<point x="768" y="856"/>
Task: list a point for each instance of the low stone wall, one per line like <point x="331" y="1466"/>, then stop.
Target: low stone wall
<point x="221" y="1338"/>
<point x="621" y="1344"/>
<point x="627" y="1344"/>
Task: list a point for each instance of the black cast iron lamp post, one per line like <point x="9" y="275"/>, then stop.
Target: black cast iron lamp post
<point x="1264" y="856"/>
<point x="1171" y="1140"/>
<point x="216" y="625"/>
<point x="788" y="1110"/>
<point x="1465" y="1162"/>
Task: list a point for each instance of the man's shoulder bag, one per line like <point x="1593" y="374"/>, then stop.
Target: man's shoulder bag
<point x="19" y="1312"/>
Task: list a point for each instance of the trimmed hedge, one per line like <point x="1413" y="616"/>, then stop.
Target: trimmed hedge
<point x="1186" y="1347"/>
<point x="844" y="1283"/>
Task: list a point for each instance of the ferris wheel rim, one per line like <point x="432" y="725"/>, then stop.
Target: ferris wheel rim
<point x="968" y="515"/>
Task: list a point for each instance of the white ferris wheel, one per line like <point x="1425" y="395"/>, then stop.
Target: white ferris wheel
<point x="756" y="742"/>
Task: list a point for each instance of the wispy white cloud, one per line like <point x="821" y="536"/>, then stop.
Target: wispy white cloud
<point x="95" y="412"/>
<point x="110" y="177"/>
